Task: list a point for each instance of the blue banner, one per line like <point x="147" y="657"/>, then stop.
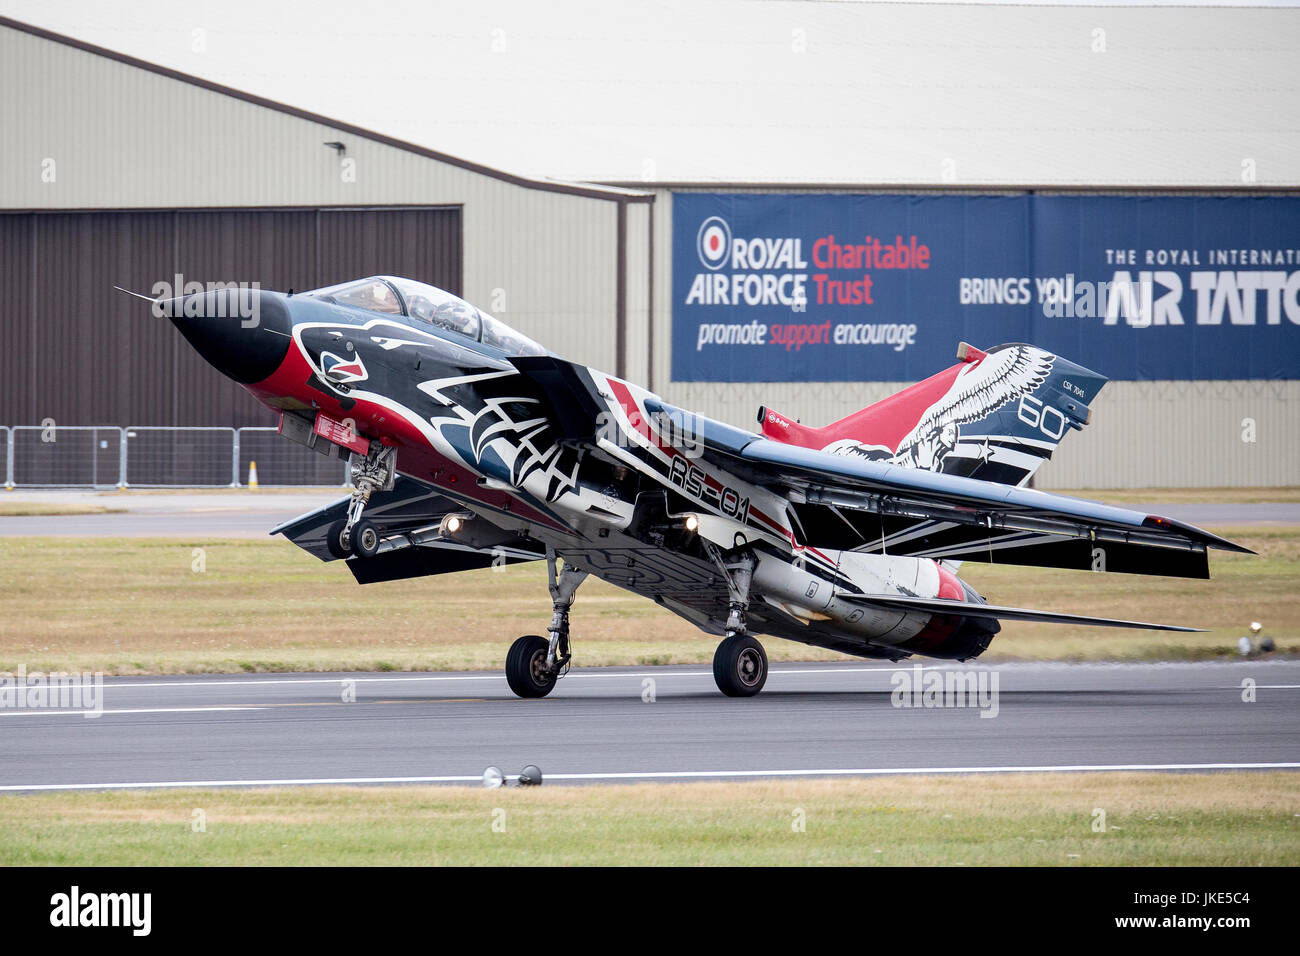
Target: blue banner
<point x="787" y="288"/>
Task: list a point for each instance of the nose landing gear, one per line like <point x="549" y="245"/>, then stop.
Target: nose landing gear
<point x="352" y="535"/>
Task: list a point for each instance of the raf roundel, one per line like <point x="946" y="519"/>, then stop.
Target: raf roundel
<point x="713" y="242"/>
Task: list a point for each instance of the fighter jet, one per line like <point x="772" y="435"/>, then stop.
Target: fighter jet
<point x="472" y="446"/>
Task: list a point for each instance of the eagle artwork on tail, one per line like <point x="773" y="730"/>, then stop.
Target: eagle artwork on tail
<point x="979" y="389"/>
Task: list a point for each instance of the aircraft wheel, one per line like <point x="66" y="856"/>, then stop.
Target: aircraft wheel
<point x="526" y="671"/>
<point x="740" y="666"/>
<point x="334" y="539"/>
<point x="364" y="539"/>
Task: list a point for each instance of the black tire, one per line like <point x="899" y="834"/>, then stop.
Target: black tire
<point x="334" y="539"/>
<point x="740" y="666"/>
<point x="364" y="539"/>
<point x="526" y="667"/>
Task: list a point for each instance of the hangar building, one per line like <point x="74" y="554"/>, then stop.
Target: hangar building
<point x="118" y="171"/>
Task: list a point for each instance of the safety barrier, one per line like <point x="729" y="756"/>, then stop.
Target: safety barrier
<point x="152" y="456"/>
<point x="51" y="456"/>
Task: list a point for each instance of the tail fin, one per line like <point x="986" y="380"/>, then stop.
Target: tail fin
<point x="995" y="415"/>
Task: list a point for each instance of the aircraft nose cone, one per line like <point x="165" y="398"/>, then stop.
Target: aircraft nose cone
<point x="243" y="333"/>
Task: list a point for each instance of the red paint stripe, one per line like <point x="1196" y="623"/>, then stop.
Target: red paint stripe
<point x="641" y="423"/>
<point x="631" y="409"/>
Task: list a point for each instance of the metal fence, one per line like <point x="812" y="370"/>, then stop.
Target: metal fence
<point x="152" y="456"/>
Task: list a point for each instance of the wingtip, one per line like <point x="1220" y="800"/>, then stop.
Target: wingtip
<point x="1223" y="544"/>
<point x="1207" y="538"/>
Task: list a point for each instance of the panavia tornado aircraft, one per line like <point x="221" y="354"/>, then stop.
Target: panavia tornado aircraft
<point x="473" y="446"/>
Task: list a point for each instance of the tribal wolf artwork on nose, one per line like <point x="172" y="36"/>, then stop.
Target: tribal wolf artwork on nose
<point x="493" y="417"/>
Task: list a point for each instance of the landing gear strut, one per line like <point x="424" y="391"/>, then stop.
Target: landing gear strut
<point x="534" y="663"/>
<point x="739" y="663"/>
<point x="352" y="535"/>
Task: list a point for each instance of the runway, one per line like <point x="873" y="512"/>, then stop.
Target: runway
<point x="659" y="723"/>
<point x="214" y="514"/>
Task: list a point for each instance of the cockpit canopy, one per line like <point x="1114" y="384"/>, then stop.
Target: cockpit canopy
<point x="428" y="305"/>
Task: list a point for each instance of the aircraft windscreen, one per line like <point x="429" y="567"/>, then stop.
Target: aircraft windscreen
<point x="502" y="336"/>
<point x="428" y="304"/>
<point x="425" y="303"/>
<point x="373" y="295"/>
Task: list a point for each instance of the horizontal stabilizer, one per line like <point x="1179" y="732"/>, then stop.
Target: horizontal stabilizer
<point x="408" y="518"/>
<point x="967" y="609"/>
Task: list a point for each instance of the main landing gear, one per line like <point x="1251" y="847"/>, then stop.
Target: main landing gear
<point x="353" y="535"/>
<point x="534" y="663"/>
<point x="739" y="663"/>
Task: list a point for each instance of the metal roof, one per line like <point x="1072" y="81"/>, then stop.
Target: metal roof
<point x="673" y="91"/>
<point x="613" y="193"/>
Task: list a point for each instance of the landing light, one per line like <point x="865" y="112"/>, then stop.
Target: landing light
<point x="691" y="524"/>
<point x="451" y="524"/>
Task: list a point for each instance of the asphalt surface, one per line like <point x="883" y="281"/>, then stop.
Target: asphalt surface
<point x="183" y="524"/>
<point x="217" y="514"/>
<point x="244" y="514"/>
<point x="1227" y="513"/>
<point x="667" y="723"/>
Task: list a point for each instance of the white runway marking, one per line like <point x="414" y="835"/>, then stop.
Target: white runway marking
<point x="37" y="712"/>
<point x="630" y="675"/>
<point x="109" y="682"/>
<point x="903" y="771"/>
<point x="663" y="775"/>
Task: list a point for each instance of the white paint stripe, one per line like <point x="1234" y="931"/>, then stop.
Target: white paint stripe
<point x="1014" y="540"/>
<point x="907" y="771"/>
<point x="37" y="712"/>
<point x="916" y="531"/>
<point x="315" y="781"/>
<point x="662" y="775"/>
<point x="110" y="683"/>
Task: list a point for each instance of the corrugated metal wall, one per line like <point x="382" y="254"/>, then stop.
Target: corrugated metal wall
<point x="80" y="353"/>
<point x="1185" y="434"/>
<point x="637" y="366"/>
<point x="541" y="255"/>
<point x="16" y="327"/>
